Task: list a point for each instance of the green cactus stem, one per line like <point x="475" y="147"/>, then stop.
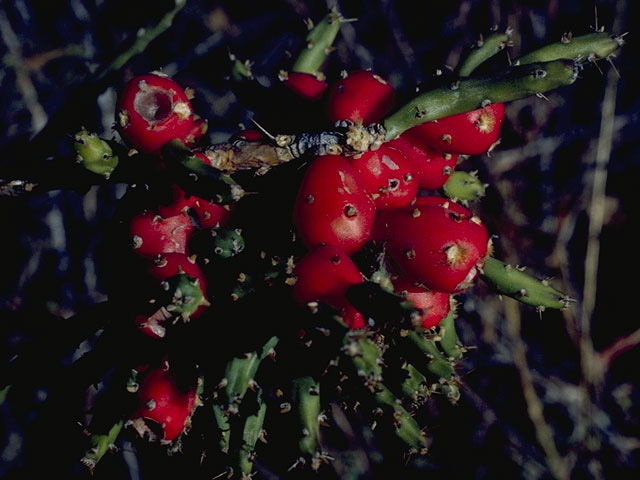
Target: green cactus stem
<point x="592" y="46"/>
<point x="240" y="70"/>
<point x="240" y="372"/>
<point x="198" y="178"/>
<point x="251" y="432"/>
<point x="449" y="341"/>
<point x="222" y="420"/>
<point x="100" y="445"/>
<point x="185" y="295"/>
<point x="483" y="50"/>
<point x="239" y="377"/>
<point x="4" y="391"/>
<point x="306" y="401"/>
<point x="227" y="242"/>
<point x="318" y="43"/>
<point x="142" y="41"/>
<point x="435" y="362"/>
<point x="464" y="187"/>
<point x="366" y="358"/>
<point x="415" y="384"/>
<point x="469" y="94"/>
<point x="515" y="283"/>
<point x="94" y="154"/>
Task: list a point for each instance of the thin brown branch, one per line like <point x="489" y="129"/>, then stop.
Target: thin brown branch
<point x="544" y="432"/>
<point x="617" y="348"/>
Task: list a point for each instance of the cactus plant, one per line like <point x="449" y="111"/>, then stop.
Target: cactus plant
<point x="327" y="247"/>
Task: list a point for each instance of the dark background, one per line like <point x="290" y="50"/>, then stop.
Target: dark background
<point x="539" y="205"/>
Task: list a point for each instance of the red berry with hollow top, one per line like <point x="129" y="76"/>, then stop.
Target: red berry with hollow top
<point x="152" y="234"/>
<point x="387" y="176"/>
<point x="153" y="109"/>
<point x="433" y="305"/>
<point x="332" y="208"/>
<point x="305" y="85"/>
<point x="432" y="168"/>
<point x="434" y="245"/>
<point x="325" y="274"/>
<point x="470" y="133"/>
<point x="362" y="97"/>
<point x="163" y="403"/>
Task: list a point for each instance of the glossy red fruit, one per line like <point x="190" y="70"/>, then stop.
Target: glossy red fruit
<point x="324" y="275"/>
<point x="162" y="402"/>
<point x="434" y="245"/>
<point x="361" y="96"/>
<point x="445" y="203"/>
<point x="432" y="168"/>
<point x="331" y="208"/>
<point x="181" y="202"/>
<point x="153" y="109"/>
<point x="352" y="317"/>
<point x="470" y="133"/>
<point x="305" y="85"/>
<point x="387" y="176"/>
<point x="209" y="214"/>
<point x="433" y="305"/>
<point x="167" y="265"/>
<point x="249" y="135"/>
<point x="152" y="234"/>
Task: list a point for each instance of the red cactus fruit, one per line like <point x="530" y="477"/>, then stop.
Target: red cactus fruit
<point x="443" y="202"/>
<point x="324" y="274"/>
<point x="352" y="317"/>
<point x="331" y="208"/>
<point x="152" y="234"/>
<point x="434" y="245"/>
<point x="305" y="85"/>
<point x="431" y="167"/>
<point x="388" y="176"/>
<point x="433" y="305"/>
<point x="199" y="127"/>
<point x="181" y="202"/>
<point x="361" y="96"/>
<point x="470" y="133"/>
<point x="153" y="109"/>
<point x="208" y="213"/>
<point x="249" y="135"/>
<point x="162" y="402"/>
